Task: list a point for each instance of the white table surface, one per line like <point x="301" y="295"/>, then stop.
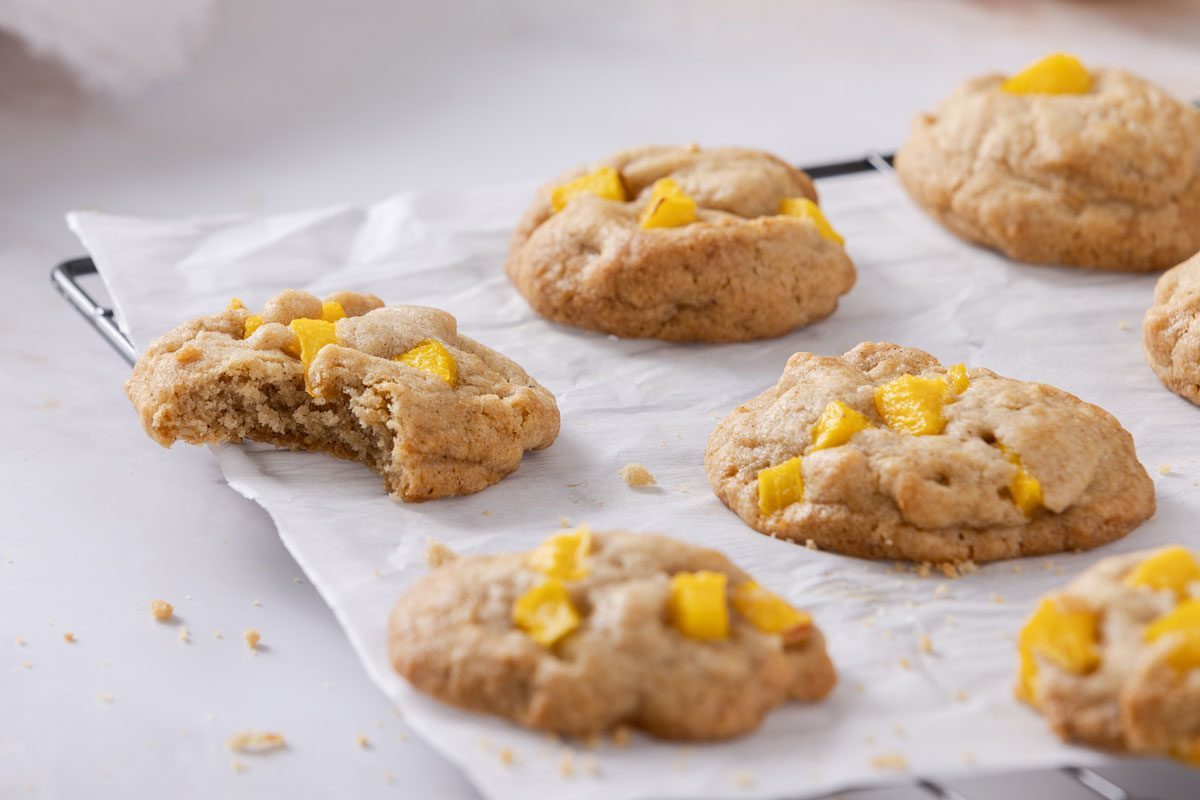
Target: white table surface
<point x="352" y="101"/>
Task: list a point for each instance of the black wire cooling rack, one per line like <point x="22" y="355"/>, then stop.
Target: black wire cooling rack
<point x="1067" y="783"/>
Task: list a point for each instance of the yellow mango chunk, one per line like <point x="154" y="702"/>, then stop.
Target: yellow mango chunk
<point x="1059" y="73"/>
<point x="804" y="208"/>
<point x="913" y="405"/>
<point x="1173" y="568"/>
<point x="780" y="486"/>
<point x="253" y="323"/>
<point x="546" y="613"/>
<point x="669" y="207"/>
<point x="235" y="305"/>
<point x="605" y="182"/>
<point x="697" y="605"/>
<point x="1025" y="489"/>
<point x="332" y="311"/>
<point x="767" y="611"/>
<point x="563" y="556"/>
<point x="1065" y="637"/>
<point x="1184" y="622"/>
<point x="836" y="425"/>
<point x="957" y="378"/>
<point x="312" y="335"/>
<point x="432" y="356"/>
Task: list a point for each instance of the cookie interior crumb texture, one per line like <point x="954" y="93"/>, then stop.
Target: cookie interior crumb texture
<point x="742" y="267"/>
<point x="397" y="388"/>
<point x="1108" y="178"/>
<point x="637" y="475"/>
<point x="1000" y="468"/>
<point x="649" y="632"/>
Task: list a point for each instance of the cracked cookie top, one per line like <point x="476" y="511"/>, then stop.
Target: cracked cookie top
<point x="885" y="453"/>
<point x="595" y="630"/>
<point x="1105" y="175"/>
<point x="1113" y="660"/>
<point x="681" y="243"/>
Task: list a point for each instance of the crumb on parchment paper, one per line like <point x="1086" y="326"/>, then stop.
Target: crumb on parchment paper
<point x="637" y="475"/>
<point x="256" y="742"/>
<point x="438" y="554"/>
<point x="890" y="761"/>
<point x="161" y="610"/>
<point x="252" y="638"/>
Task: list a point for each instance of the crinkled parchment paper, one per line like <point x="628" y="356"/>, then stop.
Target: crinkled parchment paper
<point x="937" y="712"/>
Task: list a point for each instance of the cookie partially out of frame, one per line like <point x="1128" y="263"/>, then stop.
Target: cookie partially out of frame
<point x="1171" y="329"/>
<point x="397" y="388"/>
<point x="1062" y="165"/>
<point x="683" y="244"/>
<point x="1113" y="660"/>
<point x="593" y="631"/>
<point x="885" y="453"/>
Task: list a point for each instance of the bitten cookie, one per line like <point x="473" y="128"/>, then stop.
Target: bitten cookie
<point x="1113" y="660"/>
<point x="682" y="244"/>
<point x="1171" y="329"/>
<point x="1062" y="165"/>
<point x="591" y="631"/>
<point x="885" y="453"/>
<point x="435" y="413"/>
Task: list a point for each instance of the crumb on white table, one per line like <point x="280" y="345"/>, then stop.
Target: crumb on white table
<point x="637" y="475"/>
<point x="161" y="610"/>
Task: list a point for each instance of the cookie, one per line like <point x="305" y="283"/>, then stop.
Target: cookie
<point x="596" y="630"/>
<point x="1062" y="165"/>
<point x="682" y="244"/>
<point x="397" y="388"/>
<point x="885" y="453"/>
<point x="1113" y="660"/>
<point x="1171" y="329"/>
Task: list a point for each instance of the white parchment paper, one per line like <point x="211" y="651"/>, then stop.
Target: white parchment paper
<point x="945" y="711"/>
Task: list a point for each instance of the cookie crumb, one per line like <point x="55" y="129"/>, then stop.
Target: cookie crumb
<point x="810" y="544"/>
<point x="297" y="579"/>
<point x="105" y="697"/>
<point x="218" y="635"/>
<point x="1122" y="325"/>
<point x="566" y="765"/>
<point x="969" y="759"/>
<point x="438" y="554"/>
<point x="564" y="522"/>
<point x="960" y="696"/>
<point x="362" y="741"/>
<point x="161" y="610"/>
<point x="925" y="643"/>
<point x="507" y="757"/>
<point x="256" y="742"/>
<point x="252" y="638"/>
<point x="743" y="780"/>
<point x="890" y="761"/>
<point x="941" y="590"/>
<point x="27" y="664"/>
<point x="185" y="635"/>
<point x="239" y="766"/>
<point x="591" y="765"/>
<point x="622" y="735"/>
<point x="256" y="603"/>
<point x="637" y="475"/>
<point x="19" y="641"/>
<point x="997" y="598"/>
<point x="388" y="777"/>
<point x="905" y="663"/>
<point x="1164" y="469"/>
<point x="69" y="637"/>
<point x="923" y="569"/>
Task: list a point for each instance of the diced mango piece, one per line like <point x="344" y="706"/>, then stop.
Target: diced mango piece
<point x="563" y="556"/>
<point x="957" y="378"/>
<point x="697" y="605"/>
<point x="546" y="613"/>
<point x="235" y="305"/>
<point x="1184" y="623"/>
<point x="836" y="425"/>
<point x="767" y="611"/>
<point x="1173" y="568"/>
<point x="253" y="323"/>
<point x="432" y="356"/>
<point x="332" y="311"/>
<point x="605" y="183"/>
<point x="668" y="207"/>
<point x="312" y="335"/>
<point x="1025" y="489"/>
<point x="1066" y="637"/>
<point x="806" y="209"/>
<point x="912" y="404"/>
<point x="1059" y="73"/>
<point x="780" y="486"/>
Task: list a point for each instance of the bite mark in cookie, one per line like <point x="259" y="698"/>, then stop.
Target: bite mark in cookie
<point x="1113" y="660"/>
<point x="594" y="631"/>
<point x="682" y="244"/>
<point x="885" y="453"/>
<point x="1062" y="165"/>
<point x="397" y="388"/>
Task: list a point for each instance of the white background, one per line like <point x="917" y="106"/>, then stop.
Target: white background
<point x="285" y="110"/>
